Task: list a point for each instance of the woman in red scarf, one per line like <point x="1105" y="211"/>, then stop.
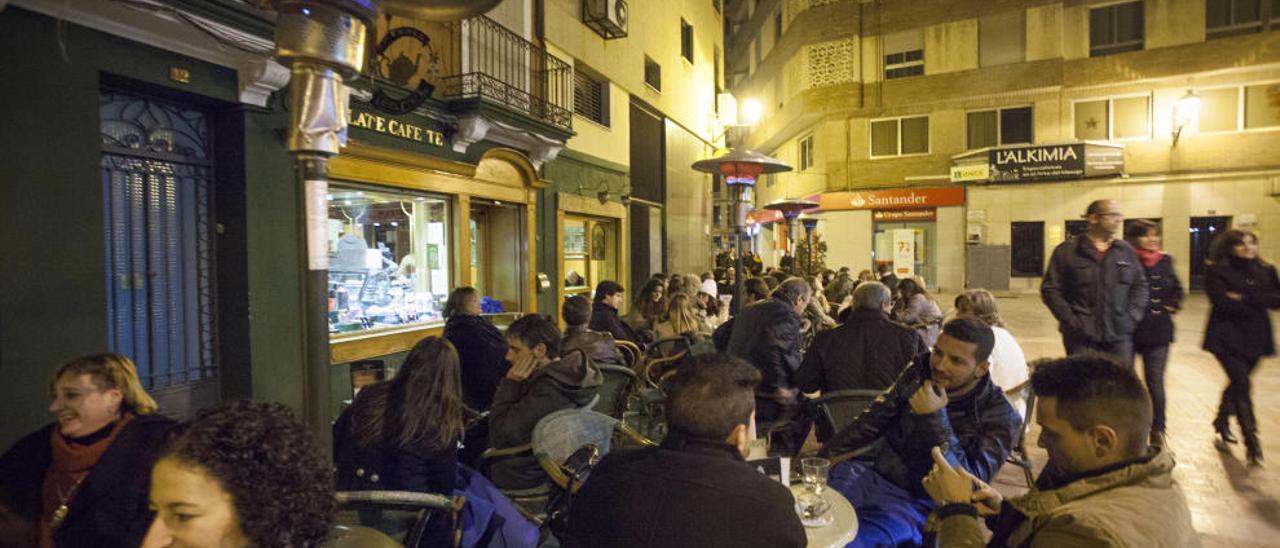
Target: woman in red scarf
<point x="1154" y="333"/>
<point x="83" y="480"/>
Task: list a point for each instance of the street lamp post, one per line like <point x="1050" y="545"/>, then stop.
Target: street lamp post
<point x="740" y="169"/>
<point x="791" y="210"/>
<point x="810" y="223"/>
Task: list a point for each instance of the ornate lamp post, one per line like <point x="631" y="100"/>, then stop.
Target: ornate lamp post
<point x="791" y="210"/>
<point x="740" y="168"/>
<point x="810" y="222"/>
<point x="323" y="44"/>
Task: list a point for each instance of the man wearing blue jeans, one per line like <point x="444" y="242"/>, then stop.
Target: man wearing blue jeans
<point x="946" y="399"/>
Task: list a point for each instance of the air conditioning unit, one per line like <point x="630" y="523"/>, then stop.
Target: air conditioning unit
<point x="607" y="17"/>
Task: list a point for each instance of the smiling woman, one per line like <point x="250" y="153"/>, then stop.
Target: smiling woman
<point x="82" y="481"/>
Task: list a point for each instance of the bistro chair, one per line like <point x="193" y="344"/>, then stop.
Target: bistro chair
<point x="1018" y="454"/>
<point x="838" y="409"/>
<point x="560" y="434"/>
<point x="630" y="353"/>
<point x="405" y="516"/>
<point x="619" y="383"/>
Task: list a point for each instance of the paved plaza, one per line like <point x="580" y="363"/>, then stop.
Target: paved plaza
<point x="1233" y="506"/>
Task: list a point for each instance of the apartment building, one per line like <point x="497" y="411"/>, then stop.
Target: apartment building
<point x="968" y="137"/>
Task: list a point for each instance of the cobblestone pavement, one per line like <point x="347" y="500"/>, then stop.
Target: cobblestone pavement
<point x="1232" y="506"/>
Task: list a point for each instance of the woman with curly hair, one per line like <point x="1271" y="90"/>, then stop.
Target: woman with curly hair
<point x="242" y="474"/>
<point x="1241" y="288"/>
<point x="403" y="434"/>
<point x="82" y="481"/>
<point x="649" y="306"/>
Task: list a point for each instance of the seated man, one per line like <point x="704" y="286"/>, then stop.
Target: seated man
<point x="947" y="400"/>
<point x="767" y="335"/>
<point x="598" y="346"/>
<point x="538" y="384"/>
<point x="694" y="490"/>
<point x="1103" y="485"/>
<point x="868" y="351"/>
<point x="604" y="312"/>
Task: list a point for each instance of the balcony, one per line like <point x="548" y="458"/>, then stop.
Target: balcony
<point x="487" y="64"/>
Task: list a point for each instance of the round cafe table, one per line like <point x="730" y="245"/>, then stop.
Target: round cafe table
<point x="843" y="526"/>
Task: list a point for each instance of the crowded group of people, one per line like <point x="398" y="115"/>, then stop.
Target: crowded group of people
<point x="916" y="464"/>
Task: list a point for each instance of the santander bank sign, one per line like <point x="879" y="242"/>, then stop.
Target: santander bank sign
<point x="912" y="198"/>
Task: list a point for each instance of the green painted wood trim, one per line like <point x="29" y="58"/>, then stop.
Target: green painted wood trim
<point x="238" y="16"/>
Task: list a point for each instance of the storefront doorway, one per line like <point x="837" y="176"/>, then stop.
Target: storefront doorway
<point x="497" y="232"/>
<point x="590" y="253"/>
<point x="1203" y="231"/>
<point x="924" y="244"/>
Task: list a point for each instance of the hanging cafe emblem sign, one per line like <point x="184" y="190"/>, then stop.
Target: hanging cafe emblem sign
<point x="401" y="70"/>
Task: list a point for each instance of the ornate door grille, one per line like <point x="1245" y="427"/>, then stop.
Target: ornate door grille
<point x="156" y="173"/>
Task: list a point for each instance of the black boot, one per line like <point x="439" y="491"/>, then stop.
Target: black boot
<point x="1253" y="448"/>
<point x="1222" y="424"/>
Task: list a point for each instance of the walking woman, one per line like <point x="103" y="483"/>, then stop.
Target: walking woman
<point x="1154" y="334"/>
<point x="403" y="434"/>
<point x="83" y="480"/>
<point x="1241" y="288"/>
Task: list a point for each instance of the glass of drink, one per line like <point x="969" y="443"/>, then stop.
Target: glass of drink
<point x="813" y="472"/>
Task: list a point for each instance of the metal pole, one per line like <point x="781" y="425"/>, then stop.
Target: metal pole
<point x="312" y="174"/>
<point x="735" y="200"/>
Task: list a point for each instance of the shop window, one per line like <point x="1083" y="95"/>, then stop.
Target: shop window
<point x="1234" y="17"/>
<point x="1262" y="106"/>
<point x="388" y="258"/>
<point x="806" y="152"/>
<point x="1219" y="109"/>
<point x="904" y="54"/>
<point x="900" y="136"/>
<point x="590" y="254"/>
<point x="686" y="40"/>
<point x="1004" y="126"/>
<point x="1002" y="38"/>
<point x="1115" y="29"/>
<point x="1027" y="249"/>
<point x="590" y="96"/>
<point x="1123" y="118"/>
<point x="652" y="74"/>
<point x="157" y="176"/>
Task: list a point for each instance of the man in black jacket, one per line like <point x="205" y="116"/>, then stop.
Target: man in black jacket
<point x="1096" y="287"/>
<point x="540" y="382"/>
<point x="946" y="400"/>
<point x="767" y="335"/>
<point x="604" y="313"/>
<point x="694" y="490"/>
<point x="867" y="352"/>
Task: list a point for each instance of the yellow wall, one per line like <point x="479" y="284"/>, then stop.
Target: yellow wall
<point x="951" y="47"/>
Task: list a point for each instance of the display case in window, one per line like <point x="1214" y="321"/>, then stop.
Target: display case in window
<point x="388" y="259"/>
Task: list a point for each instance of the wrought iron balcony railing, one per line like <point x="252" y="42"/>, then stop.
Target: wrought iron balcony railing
<point x="495" y="65"/>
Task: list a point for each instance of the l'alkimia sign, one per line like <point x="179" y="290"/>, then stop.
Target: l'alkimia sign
<point x="1039" y="163"/>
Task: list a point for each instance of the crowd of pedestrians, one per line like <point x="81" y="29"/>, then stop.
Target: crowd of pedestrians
<point x="462" y="409"/>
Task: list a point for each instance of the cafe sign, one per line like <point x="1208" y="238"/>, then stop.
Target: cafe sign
<point x="387" y="125"/>
<point x="1040" y="162"/>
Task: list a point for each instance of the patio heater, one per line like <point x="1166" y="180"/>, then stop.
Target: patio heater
<point x="791" y="210"/>
<point x="810" y="223"/>
<point x="323" y="44"/>
<point x="740" y="168"/>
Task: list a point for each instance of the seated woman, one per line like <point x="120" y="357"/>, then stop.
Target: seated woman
<point x="712" y="310"/>
<point x="913" y="306"/>
<point x="481" y="347"/>
<point x="681" y="319"/>
<point x="403" y="434"/>
<point x="82" y="481"/>
<point x="238" y="475"/>
<point x="1008" y="363"/>
<point x="648" y="307"/>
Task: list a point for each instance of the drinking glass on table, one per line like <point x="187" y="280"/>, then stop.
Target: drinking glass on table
<point x="813" y="472"/>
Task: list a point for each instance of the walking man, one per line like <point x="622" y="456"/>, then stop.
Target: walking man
<point x="1096" y="288"/>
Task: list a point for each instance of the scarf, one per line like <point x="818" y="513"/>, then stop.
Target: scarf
<point x="1149" y="257"/>
<point x="71" y="465"/>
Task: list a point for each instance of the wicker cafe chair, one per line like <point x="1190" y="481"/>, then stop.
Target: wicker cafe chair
<point x="560" y="434"/>
<point x="839" y="408"/>
<point x="630" y="353"/>
<point x="402" y="515"/>
<point x="619" y="383"/>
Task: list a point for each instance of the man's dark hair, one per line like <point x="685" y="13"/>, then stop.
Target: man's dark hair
<point x="711" y="395"/>
<point x="974" y="332"/>
<point x="755" y="289"/>
<point x="533" y="330"/>
<point x="884" y="268"/>
<point x="1095" y="206"/>
<point x="607" y="288"/>
<point x="791" y="290"/>
<point x="576" y="310"/>
<point x="1093" y="389"/>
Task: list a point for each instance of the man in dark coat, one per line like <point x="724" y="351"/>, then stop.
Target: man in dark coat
<point x="600" y="347"/>
<point x="694" y="490"/>
<point x="1096" y="287"/>
<point x="604" y="313"/>
<point x="767" y="335"/>
<point x="482" y="352"/>
<point x="866" y="352"/>
<point x="947" y="400"/>
<point x="539" y="383"/>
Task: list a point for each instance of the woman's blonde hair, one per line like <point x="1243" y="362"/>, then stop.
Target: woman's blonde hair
<point x="108" y="371"/>
<point x="680" y="314"/>
<point x="982" y="304"/>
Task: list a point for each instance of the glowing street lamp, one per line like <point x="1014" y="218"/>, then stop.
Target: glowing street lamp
<point x="1186" y="113"/>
